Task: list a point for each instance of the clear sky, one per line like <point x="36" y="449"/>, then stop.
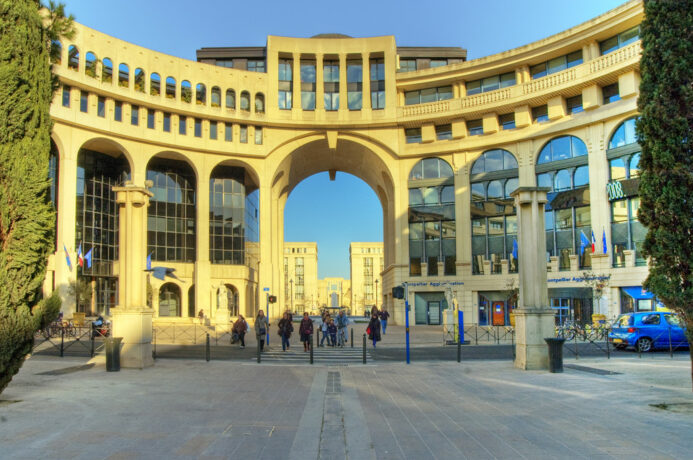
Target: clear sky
<point x="334" y="213"/>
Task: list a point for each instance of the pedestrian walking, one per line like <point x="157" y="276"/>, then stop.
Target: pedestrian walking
<point x="240" y="327"/>
<point x="373" y="329"/>
<point x="342" y="324"/>
<point x="285" y="330"/>
<point x="384" y="315"/>
<point x="323" y="329"/>
<point x="261" y="327"/>
<point x="306" y="330"/>
<point x="332" y="329"/>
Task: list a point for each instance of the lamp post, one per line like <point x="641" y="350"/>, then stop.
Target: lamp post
<point x="376" y="294"/>
<point x="292" y="295"/>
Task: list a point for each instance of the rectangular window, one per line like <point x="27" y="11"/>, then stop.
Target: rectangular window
<point x="574" y="104"/>
<point x="540" y="114"/>
<point x="286" y="76"/>
<point x="213" y="130"/>
<point x="256" y="65"/>
<point x="475" y="127"/>
<point x="134" y="115"/>
<point x="331" y="85"/>
<point x="556" y="64"/>
<point x="377" y="84"/>
<point x="355" y="84"/>
<point x="413" y="135"/>
<point x="428" y="95"/>
<point x="150" y="118"/>
<point x="101" y="107"/>
<point x="83" y="101"/>
<point x="407" y="65"/>
<point x="167" y="122"/>
<point x="198" y="127"/>
<point x="438" y="62"/>
<point x="610" y="93"/>
<point x="308" y="85"/>
<point x="66" y="96"/>
<point x="244" y="134"/>
<point x="228" y="132"/>
<point x="620" y="40"/>
<point x="182" y="122"/>
<point x="118" y="111"/>
<point x="490" y="83"/>
<point x="258" y="135"/>
<point x="507" y="120"/>
<point x="444" y="132"/>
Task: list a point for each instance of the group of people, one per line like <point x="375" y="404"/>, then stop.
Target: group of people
<point x="335" y="332"/>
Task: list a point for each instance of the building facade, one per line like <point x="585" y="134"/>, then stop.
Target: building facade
<point x="366" y="265"/>
<point x="301" y="277"/>
<point x="334" y="292"/>
<point x="442" y="141"/>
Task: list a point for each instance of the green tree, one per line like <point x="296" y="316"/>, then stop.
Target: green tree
<point x="27" y="218"/>
<point x="666" y="136"/>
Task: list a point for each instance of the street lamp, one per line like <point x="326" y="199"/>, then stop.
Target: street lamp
<point x="292" y="295"/>
<point x="376" y="294"/>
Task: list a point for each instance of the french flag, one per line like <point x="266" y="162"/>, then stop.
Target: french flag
<point x="594" y="242"/>
<point x="80" y="257"/>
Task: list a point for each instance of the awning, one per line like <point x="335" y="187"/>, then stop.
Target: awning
<point x="637" y="292"/>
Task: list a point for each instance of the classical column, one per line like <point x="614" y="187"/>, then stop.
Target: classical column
<point x="533" y="317"/>
<point x="132" y="318"/>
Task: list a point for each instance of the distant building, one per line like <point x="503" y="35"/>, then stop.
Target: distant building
<point x="301" y="276"/>
<point x="334" y="292"/>
<point x="367" y="264"/>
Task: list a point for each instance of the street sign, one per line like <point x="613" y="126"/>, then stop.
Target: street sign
<point x="265" y="289"/>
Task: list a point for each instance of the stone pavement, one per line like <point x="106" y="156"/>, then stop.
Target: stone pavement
<point x="71" y="408"/>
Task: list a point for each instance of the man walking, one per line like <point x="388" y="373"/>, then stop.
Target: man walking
<point x="384" y="315"/>
<point x="342" y="323"/>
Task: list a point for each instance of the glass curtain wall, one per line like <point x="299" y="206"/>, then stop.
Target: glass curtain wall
<point x="494" y="222"/>
<point x="286" y="76"/>
<point x="308" y="85"/>
<point x="355" y="84"/>
<point x="377" y="83"/>
<point x="331" y="85"/>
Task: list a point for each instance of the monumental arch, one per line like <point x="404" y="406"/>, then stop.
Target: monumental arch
<point x="443" y="141"/>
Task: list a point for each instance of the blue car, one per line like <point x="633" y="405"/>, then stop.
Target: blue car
<point x="647" y="331"/>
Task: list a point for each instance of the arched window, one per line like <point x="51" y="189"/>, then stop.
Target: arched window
<point x="140" y="78"/>
<point x="230" y="99"/>
<point x="90" y="64"/>
<point x="259" y="103"/>
<point x="432" y="217"/>
<point x="245" y="100"/>
<point x="185" y="91"/>
<point x="200" y="94"/>
<point x="563" y="168"/>
<point x="191" y="302"/>
<point x="170" y="88"/>
<point x="155" y="84"/>
<point x="494" y="177"/>
<point x="123" y="75"/>
<point x="107" y="70"/>
<point x="169" y="301"/>
<point x="227" y="298"/>
<point x="171" y="213"/>
<point x="56" y="52"/>
<point x="73" y="58"/>
<point x="216" y="96"/>
<point x="627" y="233"/>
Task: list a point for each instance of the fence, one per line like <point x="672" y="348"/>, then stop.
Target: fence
<point x="66" y="338"/>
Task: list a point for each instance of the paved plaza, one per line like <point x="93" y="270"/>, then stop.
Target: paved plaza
<point x="72" y="408"/>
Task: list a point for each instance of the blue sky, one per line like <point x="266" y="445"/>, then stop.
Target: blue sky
<point x="334" y="213"/>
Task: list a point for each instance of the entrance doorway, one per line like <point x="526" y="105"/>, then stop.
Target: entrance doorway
<point x="434" y="313"/>
<point x="498" y="313"/>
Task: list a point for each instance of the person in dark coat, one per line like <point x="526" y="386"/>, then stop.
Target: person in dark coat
<point x="285" y="330"/>
<point x="261" y="327"/>
<point x="306" y="330"/>
<point x="240" y="327"/>
<point x="384" y="315"/>
<point x="374" y="329"/>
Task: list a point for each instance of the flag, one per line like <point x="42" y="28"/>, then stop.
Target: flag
<point x="594" y="243"/>
<point x="80" y="259"/>
<point x="514" y="248"/>
<point x="604" y="240"/>
<point x="584" y="242"/>
<point x="87" y="258"/>
<point x="67" y="258"/>
<point x="149" y="260"/>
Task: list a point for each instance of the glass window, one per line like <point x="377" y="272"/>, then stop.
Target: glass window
<point x="150" y="118"/>
<point x="475" y="127"/>
<point x="624" y="134"/>
<point x="581" y="177"/>
<point x="564" y="219"/>
<point x="182" y="125"/>
<point x="118" y="111"/>
<point x="407" y="65"/>
<point x="574" y="104"/>
<point x="617" y="169"/>
<point x="610" y="93"/>
<point x="507" y="121"/>
<point x="473" y="87"/>
<point x="443" y="132"/>
<point x="198" y="127"/>
<point x="230" y="99"/>
<point x="495" y="190"/>
<point x="620" y="40"/>
<point x="545" y="180"/>
<point x="228" y="132"/>
<point x="634" y="169"/>
<point x="285" y="84"/>
<point x="245" y="100"/>
<point x="490" y="83"/>
<point x="134" y="115"/>
<point x="562" y="180"/>
<point x="167" y="122"/>
<point x="258" y="135"/>
<point x="556" y="65"/>
<point x="101" y="107"/>
<point x="256" y="65"/>
<point x="83" y="101"/>
<point x="560" y="148"/>
<point x="574" y="58"/>
<point x="510" y="186"/>
<point x="213" y="130"/>
<point x="540" y="114"/>
<point x="413" y="135"/>
<point x="66" y="96"/>
<point x="377" y="74"/>
<point x="244" y="134"/>
<point x="354" y="84"/>
<point x="538" y="71"/>
<point x="260" y="102"/>
<point x="308" y="80"/>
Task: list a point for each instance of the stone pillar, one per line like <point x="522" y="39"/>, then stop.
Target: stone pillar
<point x="533" y="317"/>
<point x="132" y="319"/>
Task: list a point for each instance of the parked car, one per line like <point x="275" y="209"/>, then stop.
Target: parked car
<point x="647" y="331"/>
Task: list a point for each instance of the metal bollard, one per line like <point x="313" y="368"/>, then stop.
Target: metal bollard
<point x="311" y="348"/>
<point x="671" y="350"/>
<point x="154" y="340"/>
<point x="62" y="341"/>
<point x="577" y="356"/>
<point x="317" y="337"/>
<point x="259" y="359"/>
<point x="352" y="337"/>
<point x="207" y="351"/>
<point x="92" y="344"/>
<point x="364" y="348"/>
<point x="459" y="349"/>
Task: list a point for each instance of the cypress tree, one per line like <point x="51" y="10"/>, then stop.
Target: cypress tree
<point x="27" y="219"/>
<point x="666" y="135"/>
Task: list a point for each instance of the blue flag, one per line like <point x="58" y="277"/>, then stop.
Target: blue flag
<point x="604" y="240"/>
<point x="514" y="248"/>
<point x="584" y="242"/>
<point x="87" y="258"/>
<point x="149" y="260"/>
<point x="67" y="258"/>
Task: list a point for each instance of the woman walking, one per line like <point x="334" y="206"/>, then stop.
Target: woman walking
<point x="261" y="327"/>
<point x="306" y="330"/>
<point x="240" y="327"/>
<point x="374" y="329"/>
<point x="285" y="330"/>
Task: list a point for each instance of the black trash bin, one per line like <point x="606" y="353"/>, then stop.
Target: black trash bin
<point x="555" y="354"/>
<point x="113" y="353"/>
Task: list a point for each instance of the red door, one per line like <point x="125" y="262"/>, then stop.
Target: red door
<point x="498" y="313"/>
